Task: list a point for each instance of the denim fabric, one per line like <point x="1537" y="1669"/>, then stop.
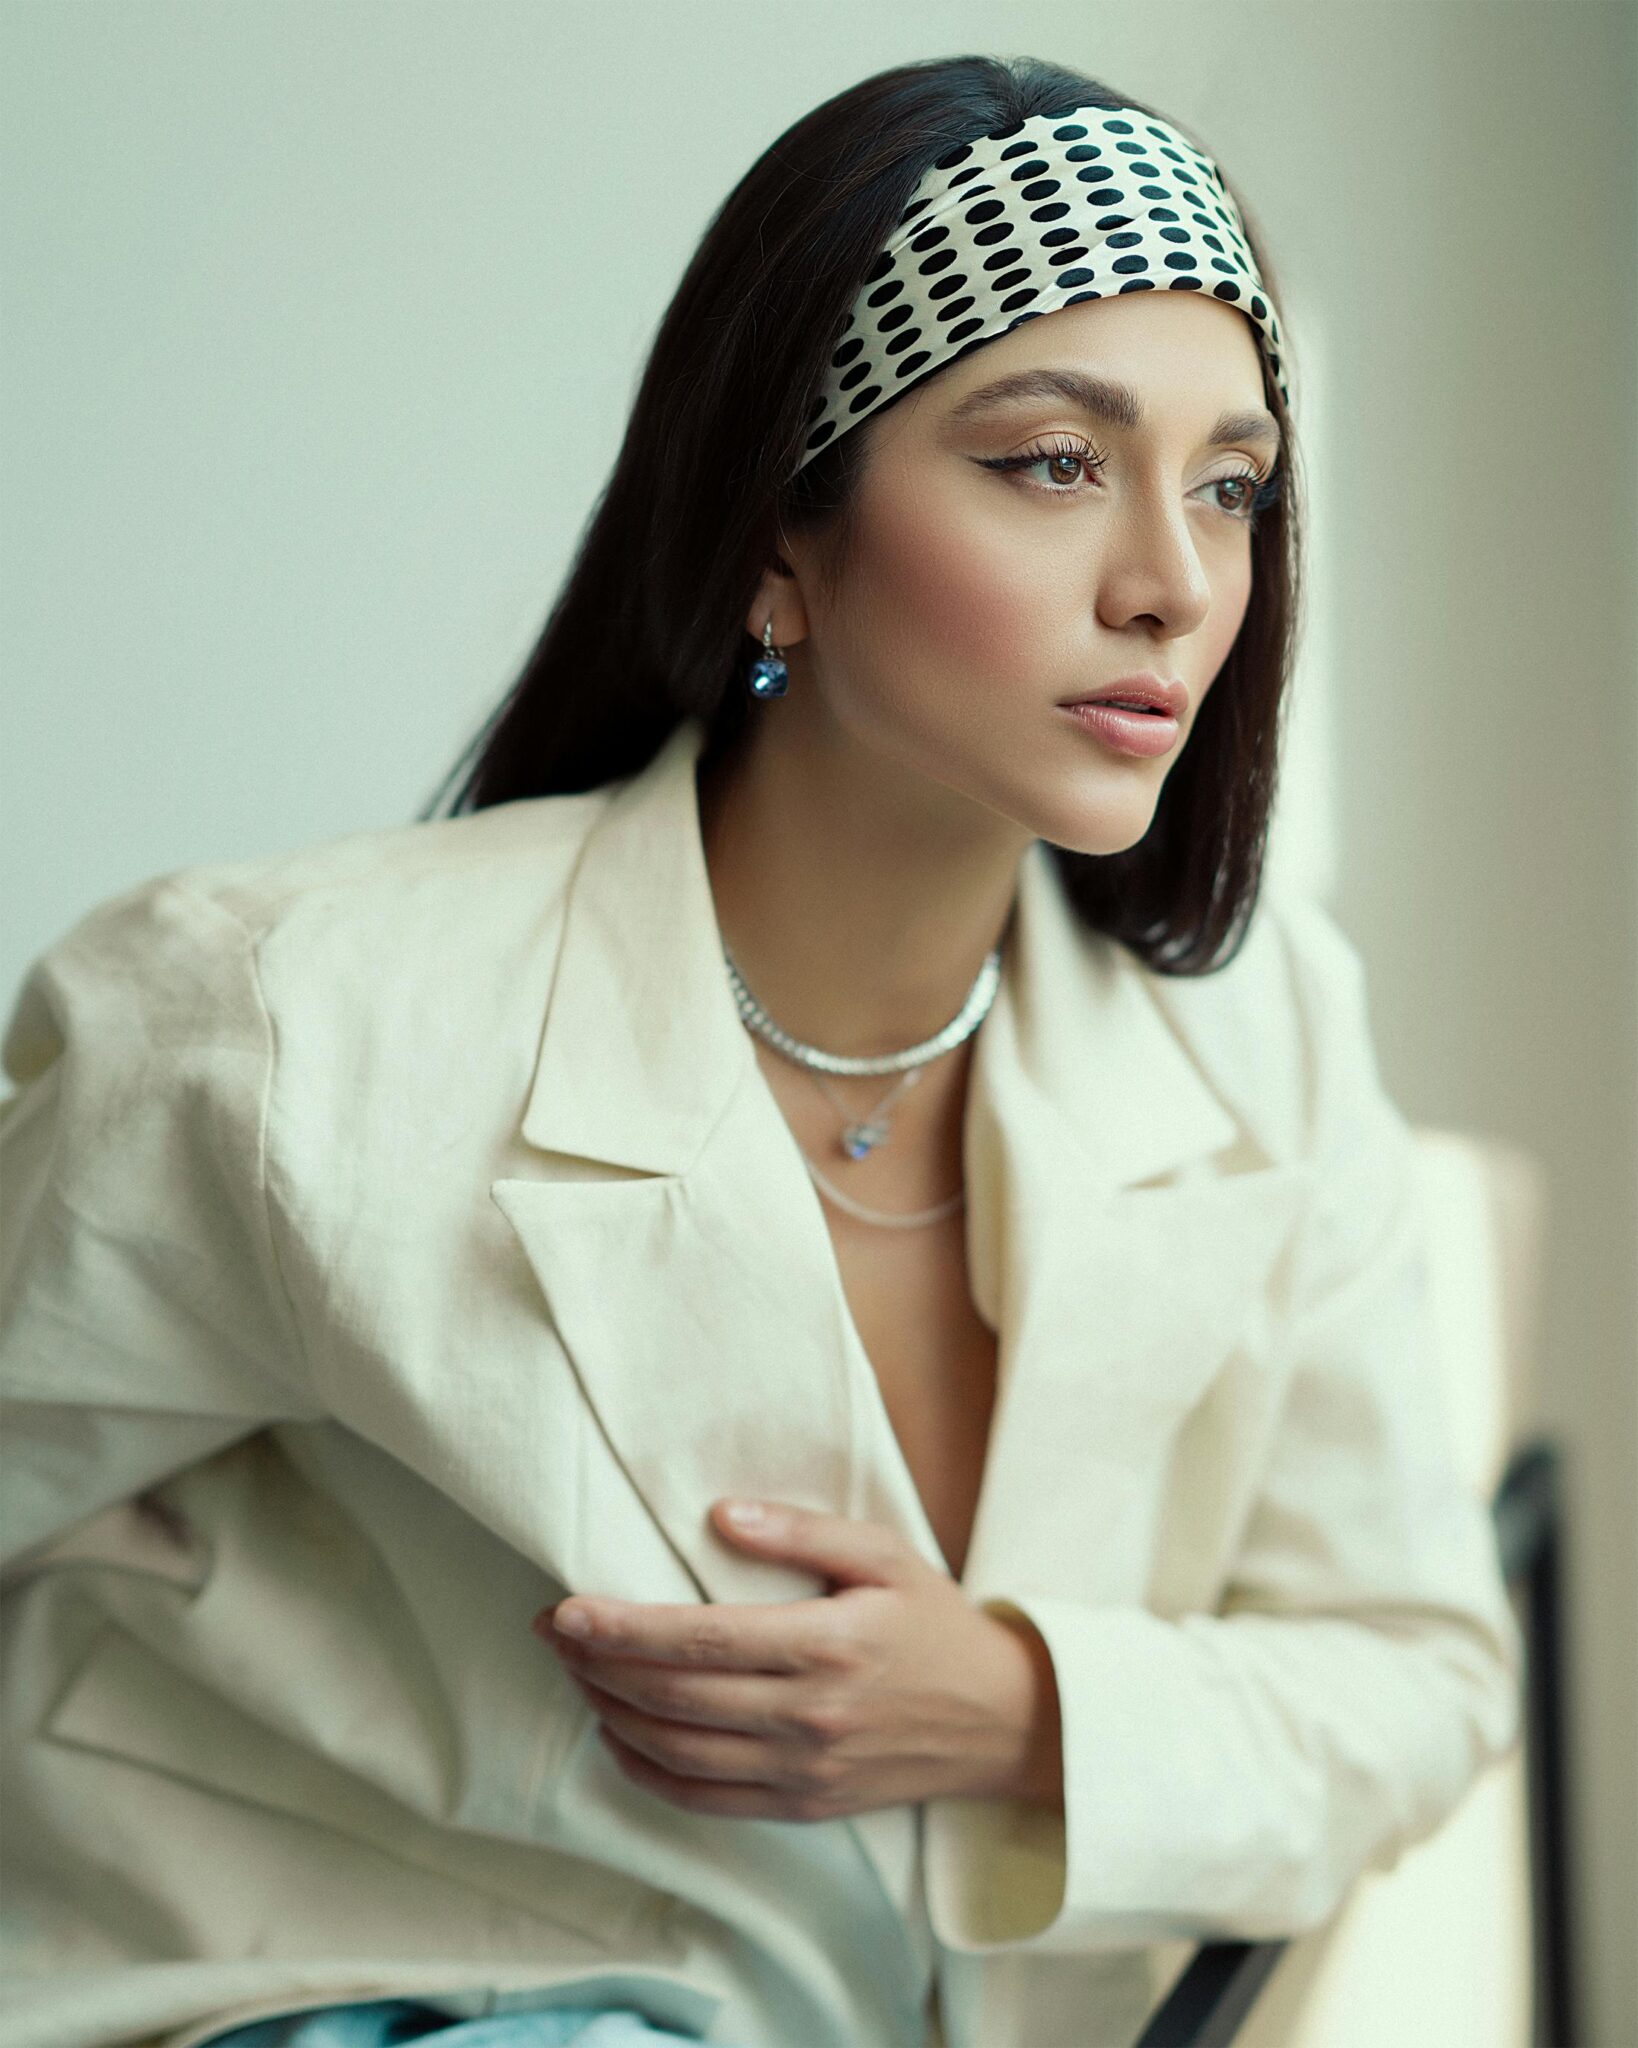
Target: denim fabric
<point x="388" y="2022"/>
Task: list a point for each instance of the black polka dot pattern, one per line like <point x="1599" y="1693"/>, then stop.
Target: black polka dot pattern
<point x="1053" y="210"/>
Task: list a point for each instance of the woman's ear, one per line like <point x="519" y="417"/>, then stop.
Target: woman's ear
<point x="779" y="598"/>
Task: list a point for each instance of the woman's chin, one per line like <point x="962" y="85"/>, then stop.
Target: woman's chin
<point x="1102" y="821"/>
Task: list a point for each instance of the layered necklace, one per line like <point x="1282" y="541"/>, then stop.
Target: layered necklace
<point x="860" y="1136"/>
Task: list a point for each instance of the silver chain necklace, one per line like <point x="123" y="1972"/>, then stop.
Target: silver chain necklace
<point x="864" y="1135"/>
<point x="961" y="1026"/>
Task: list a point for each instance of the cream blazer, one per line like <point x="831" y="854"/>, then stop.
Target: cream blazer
<point x="400" y="1232"/>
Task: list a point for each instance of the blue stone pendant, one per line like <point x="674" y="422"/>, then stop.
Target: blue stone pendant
<point x="769" y="676"/>
<point x="858" y="1139"/>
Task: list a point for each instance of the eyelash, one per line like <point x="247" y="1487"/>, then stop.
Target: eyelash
<point x="1268" y="490"/>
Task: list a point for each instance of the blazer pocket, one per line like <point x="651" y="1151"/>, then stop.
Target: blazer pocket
<point x="126" y="1701"/>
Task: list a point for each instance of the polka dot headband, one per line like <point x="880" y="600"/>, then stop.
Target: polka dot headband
<point x="1050" y="211"/>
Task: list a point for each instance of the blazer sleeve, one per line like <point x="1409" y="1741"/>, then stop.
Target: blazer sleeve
<point x="143" y="1324"/>
<point x="1229" y="1775"/>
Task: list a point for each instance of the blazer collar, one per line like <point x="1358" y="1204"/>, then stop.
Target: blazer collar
<point x="641" y="996"/>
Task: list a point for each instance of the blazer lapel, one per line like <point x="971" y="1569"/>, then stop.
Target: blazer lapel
<point x="674" y="1231"/>
<point x="700" y="1318"/>
<point x="1127" y="1225"/>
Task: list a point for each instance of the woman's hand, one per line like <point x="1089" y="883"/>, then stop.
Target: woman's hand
<point x="893" y="1688"/>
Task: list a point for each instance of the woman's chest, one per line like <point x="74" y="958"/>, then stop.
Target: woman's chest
<point x="908" y="1290"/>
<point x="934" y="1361"/>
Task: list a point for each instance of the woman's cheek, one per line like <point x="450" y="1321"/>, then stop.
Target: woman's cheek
<point x="1230" y="600"/>
<point x="965" y="599"/>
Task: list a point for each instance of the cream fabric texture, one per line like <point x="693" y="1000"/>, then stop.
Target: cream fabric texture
<point x="400" y="1232"/>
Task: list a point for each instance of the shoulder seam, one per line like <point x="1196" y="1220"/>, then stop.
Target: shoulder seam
<point x="217" y="882"/>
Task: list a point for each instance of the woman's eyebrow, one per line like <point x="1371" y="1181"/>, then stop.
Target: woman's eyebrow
<point x="1105" y="399"/>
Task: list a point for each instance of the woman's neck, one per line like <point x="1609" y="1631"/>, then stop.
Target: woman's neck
<point x="858" y="898"/>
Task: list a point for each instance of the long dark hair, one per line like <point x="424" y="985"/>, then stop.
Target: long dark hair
<point x="649" y="626"/>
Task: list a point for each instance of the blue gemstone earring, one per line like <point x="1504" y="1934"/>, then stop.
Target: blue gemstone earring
<point x="769" y="676"/>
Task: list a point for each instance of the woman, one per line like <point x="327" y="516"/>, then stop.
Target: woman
<point x="851" y="1080"/>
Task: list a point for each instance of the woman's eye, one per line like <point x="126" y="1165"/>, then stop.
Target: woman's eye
<point x="1060" y="464"/>
<point x="1248" y="493"/>
<point x="1254" y="493"/>
<point x="1063" y="468"/>
<point x="1244" y="504"/>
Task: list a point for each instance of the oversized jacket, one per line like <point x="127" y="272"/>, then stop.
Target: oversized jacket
<point x="400" y="1232"/>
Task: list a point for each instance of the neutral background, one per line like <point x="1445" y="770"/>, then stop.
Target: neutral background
<point x="321" y="324"/>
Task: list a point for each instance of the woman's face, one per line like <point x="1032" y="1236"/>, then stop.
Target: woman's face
<point x="1012" y="551"/>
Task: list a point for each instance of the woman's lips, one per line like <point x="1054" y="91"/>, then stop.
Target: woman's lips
<point x="1126" y="732"/>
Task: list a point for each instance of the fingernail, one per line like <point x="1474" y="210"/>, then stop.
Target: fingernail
<point x="573" y="1621"/>
<point x="746" y="1513"/>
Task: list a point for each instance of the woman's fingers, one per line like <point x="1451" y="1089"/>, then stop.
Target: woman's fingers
<point x="750" y="1702"/>
<point x="787" y="1636"/>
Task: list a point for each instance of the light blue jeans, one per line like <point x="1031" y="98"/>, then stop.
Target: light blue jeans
<point x="388" y="2022"/>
